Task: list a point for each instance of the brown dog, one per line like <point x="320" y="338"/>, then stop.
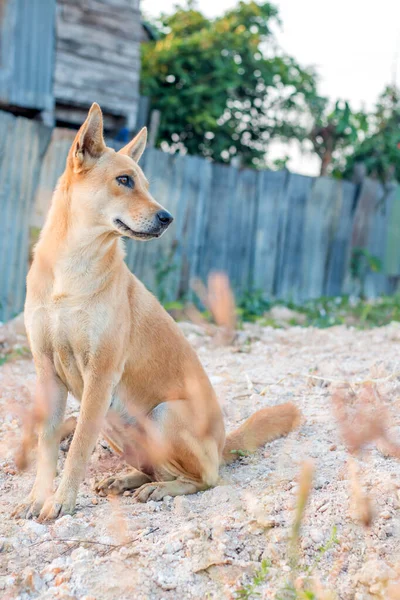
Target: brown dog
<point x="95" y="331"/>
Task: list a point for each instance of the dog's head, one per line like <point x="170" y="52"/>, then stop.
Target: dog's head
<point x="109" y="188"/>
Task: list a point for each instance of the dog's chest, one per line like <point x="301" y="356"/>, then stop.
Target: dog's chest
<point x="69" y="335"/>
<point x="72" y="339"/>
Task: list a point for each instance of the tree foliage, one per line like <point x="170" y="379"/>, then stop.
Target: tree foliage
<point x="334" y="131"/>
<point x="222" y="86"/>
<point x="379" y="152"/>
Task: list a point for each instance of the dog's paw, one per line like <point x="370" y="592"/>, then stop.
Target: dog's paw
<point x="113" y="485"/>
<point x="54" y="508"/>
<point x="151" y="491"/>
<point x="28" y="509"/>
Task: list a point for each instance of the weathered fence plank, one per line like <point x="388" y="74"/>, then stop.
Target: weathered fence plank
<point x="22" y="146"/>
<point x="340" y="246"/>
<point x="377" y="282"/>
<point x="271" y="190"/>
<point x="392" y="254"/>
<point x="241" y="231"/>
<point x="316" y="234"/>
<point x="289" y="274"/>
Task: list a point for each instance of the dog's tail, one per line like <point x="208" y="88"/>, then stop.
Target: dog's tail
<point x="264" y="426"/>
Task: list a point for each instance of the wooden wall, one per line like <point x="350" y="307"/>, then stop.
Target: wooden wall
<point x="97" y="57"/>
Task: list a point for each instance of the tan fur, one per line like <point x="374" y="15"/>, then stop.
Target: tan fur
<point x="96" y="332"/>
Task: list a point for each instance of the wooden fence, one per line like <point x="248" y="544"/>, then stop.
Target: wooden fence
<point x="287" y="235"/>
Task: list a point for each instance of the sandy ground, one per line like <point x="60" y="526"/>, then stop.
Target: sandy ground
<point x="210" y="545"/>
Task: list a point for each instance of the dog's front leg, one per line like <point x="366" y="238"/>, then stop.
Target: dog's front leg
<point x="50" y="402"/>
<point x="95" y="403"/>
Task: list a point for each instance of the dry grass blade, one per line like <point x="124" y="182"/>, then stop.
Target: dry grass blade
<point x="119" y="524"/>
<point x="363" y="419"/>
<point x="30" y="424"/>
<point x="305" y="486"/>
<point x="218" y="298"/>
<point x="196" y="317"/>
<point x="362" y="505"/>
<point x="140" y="443"/>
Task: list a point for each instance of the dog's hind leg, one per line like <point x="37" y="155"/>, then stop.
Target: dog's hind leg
<point x="157" y="490"/>
<point x="121" y="482"/>
<point x="192" y="460"/>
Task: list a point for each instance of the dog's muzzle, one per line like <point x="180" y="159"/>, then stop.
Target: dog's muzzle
<point x="161" y="221"/>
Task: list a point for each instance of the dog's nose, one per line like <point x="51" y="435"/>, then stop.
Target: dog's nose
<point x="164" y="217"/>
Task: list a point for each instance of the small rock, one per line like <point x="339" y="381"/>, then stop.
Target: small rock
<point x="164" y="583"/>
<point x="306" y="543"/>
<point x="376" y="589"/>
<point x="81" y="554"/>
<point x="31" y="580"/>
<point x="62" y="578"/>
<point x="374" y="571"/>
<point x="385" y="515"/>
<point x="66" y="526"/>
<point x="9" y="471"/>
<point x="316" y="536"/>
<point x="35" y="527"/>
<point x="389" y="531"/>
<point x="181" y="505"/>
<point x="382" y="534"/>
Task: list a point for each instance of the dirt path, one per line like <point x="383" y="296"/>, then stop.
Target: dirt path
<point x="211" y="544"/>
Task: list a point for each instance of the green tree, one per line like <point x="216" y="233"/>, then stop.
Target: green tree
<point x="222" y="86"/>
<point x="334" y="132"/>
<point x="379" y="152"/>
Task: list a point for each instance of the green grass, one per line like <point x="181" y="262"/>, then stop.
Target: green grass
<point x="249" y="590"/>
<point x="325" y="312"/>
<point x="22" y="352"/>
<point x="320" y="313"/>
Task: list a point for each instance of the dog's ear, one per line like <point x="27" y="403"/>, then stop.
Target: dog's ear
<point x="136" y="147"/>
<point x="89" y="143"/>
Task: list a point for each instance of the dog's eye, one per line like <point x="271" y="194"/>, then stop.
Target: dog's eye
<point x="125" y="180"/>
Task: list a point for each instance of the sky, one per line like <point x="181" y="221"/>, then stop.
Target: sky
<point x="354" y="45"/>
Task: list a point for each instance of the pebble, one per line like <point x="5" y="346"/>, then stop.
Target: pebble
<point x="35" y="527"/>
<point x="81" y="554"/>
<point x="385" y="515"/>
<point x="306" y="543"/>
<point x="316" y="536"/>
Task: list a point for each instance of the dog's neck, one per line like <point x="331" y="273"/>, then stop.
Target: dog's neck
<point x="81" y="256"/>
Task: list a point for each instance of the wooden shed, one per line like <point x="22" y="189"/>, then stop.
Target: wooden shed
<point x="59" y="56"/>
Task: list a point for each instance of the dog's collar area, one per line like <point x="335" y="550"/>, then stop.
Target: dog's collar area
<point x="124" y="227"/>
